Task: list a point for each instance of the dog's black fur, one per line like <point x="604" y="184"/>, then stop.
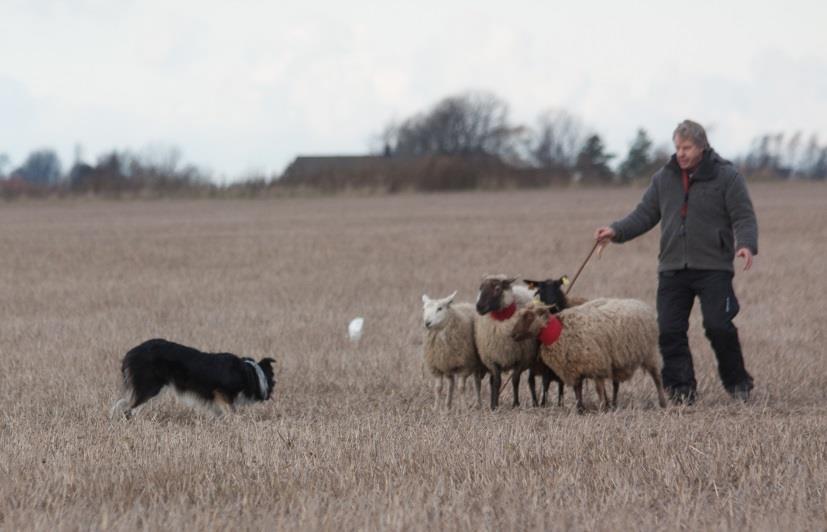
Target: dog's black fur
<point x="217" y="379"/>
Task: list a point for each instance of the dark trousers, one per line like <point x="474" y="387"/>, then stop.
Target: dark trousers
<point x="676" y="295"/>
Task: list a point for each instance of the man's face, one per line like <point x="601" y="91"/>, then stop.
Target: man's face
<point x="688" y="153"/>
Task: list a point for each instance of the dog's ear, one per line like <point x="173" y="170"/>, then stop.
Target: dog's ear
<point x="266" y="362"/>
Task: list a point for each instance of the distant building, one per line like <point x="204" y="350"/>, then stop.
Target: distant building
<point x="397" y="173"/>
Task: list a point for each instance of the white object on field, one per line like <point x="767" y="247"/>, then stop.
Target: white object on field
<point x="354" y="328"/>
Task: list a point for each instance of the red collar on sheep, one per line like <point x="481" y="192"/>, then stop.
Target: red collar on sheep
<point x="552" y="331"/>
<point x="505" y="313"/>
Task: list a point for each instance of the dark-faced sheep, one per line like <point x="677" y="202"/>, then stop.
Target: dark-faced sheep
<point x="551" y="293"/>
<point x="499" y="352"/>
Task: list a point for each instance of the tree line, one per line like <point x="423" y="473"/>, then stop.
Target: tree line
<point x="470" y="125"/>
<point x="558" y="141"/>
<point x="478" y="123"/>
<point x="158" y="170"/>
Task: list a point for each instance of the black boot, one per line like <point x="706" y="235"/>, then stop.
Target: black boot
<point x="737" y="382"/>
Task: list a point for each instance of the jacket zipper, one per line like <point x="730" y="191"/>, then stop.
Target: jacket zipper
<point x="687" y="184"/>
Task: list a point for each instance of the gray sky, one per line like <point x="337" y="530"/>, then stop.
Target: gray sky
<point x="245" y="86"/>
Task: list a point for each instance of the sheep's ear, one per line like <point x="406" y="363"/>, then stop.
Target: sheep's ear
<point x="425" y="299"/>
<point x="450" y="299"/>
<point x="531" y="284"/>
<point x="510" y="281"/>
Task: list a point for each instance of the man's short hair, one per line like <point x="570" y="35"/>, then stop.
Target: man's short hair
<point x="693" y="131"/>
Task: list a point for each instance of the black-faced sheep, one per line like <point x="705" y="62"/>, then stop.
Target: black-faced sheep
<point x="449" y="347"/>
<point x="499" y="352"/>
<point x="551" y="293"/>
<point x="602" y="339"/>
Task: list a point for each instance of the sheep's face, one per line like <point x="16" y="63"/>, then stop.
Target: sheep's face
<point x="435" y="311"/>
<point x="495" y="294"/>
<point x="550" y="292"/>
<point x="529" y="322"/>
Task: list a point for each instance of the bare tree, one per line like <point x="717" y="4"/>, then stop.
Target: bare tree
<point x="792" y="162"/>
<point x="466" y="124"/>
<point x="558" y="139"/>
<point x="809" y="158"/>
<point x="383" y="142"/>
<point x="819" y="170"/>
<point x="160" y="159"/>
<point x="764" y="157"/>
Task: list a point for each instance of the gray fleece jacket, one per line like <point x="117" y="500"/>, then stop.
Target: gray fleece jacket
<point x="719" y="217"/>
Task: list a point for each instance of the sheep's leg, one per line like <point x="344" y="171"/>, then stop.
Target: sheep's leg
<point x="546" y="383"/>
<point x="560" y="388"/>
<point x="531" y="381"/>
<point x="495" y="380"/>
<point x="578" y="394"/>
<point x="450" y="391"/>
<point x="615" y="387"/>
<point x="515" y="386"/>
<point x="437" y="392"/>
<point x="600" y="387"/>
<point x="655" y="373"/>
<point x="478" y="388"/>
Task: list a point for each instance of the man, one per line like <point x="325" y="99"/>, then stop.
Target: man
<point x="706" y="220"/>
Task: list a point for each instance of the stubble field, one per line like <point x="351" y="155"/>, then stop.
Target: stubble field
<point x="350" y="440"/>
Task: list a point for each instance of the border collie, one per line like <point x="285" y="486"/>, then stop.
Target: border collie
<point x="220" y="381"/>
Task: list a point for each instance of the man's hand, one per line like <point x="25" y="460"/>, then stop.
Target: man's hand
<point x="745" y="254"/>
<point x="603" y="236"/>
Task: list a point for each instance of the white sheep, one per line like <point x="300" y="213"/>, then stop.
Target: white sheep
<point x="449" y="347"/>
<point x="497" y="304"/>
<point x="601" y="339"/>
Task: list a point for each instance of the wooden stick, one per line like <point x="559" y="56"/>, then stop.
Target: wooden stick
<point x="571" y="284"/>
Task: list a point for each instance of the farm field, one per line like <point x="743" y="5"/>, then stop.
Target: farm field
<point x="350" y="440"/>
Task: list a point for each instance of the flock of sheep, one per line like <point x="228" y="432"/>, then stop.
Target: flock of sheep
<point x="535" y="327"/>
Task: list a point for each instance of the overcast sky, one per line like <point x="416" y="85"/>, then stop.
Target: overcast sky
<point x="245" y="86"/>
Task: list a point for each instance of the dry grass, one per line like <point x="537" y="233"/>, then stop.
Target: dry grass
<point x="350" y="441"/>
